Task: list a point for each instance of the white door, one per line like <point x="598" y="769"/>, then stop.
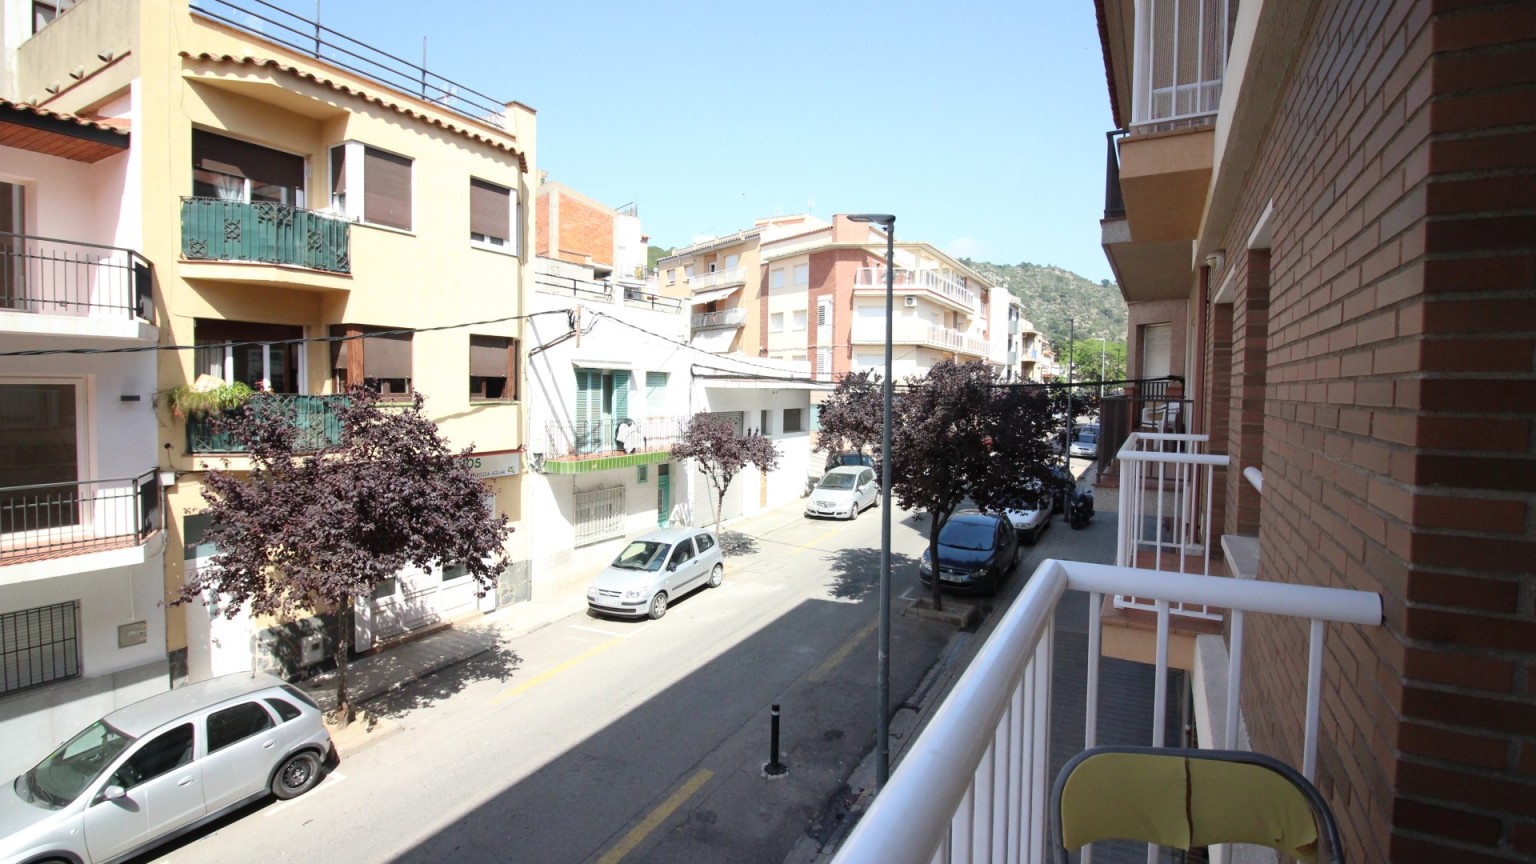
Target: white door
<point x="163" y="791"/>
<point x="242" y="751"/>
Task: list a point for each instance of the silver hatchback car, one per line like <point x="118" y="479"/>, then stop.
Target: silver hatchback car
<point x="656" y="569"/>
<point x="160" y="767"/>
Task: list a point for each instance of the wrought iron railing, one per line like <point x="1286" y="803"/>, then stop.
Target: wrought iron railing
<point x="974" y="784"/>
<point x="50" y="276"/>
<point x="564" y="440"/>
<point x="582" y="289"/>
<point x="312" y="39"/>
<point x="722" y="318"/>
<point x="637" y="296"/>
<point x="39" y="645"/>
<point x="315" y="417"/>
<point x="213" y="229"/>
<point x="78" y="516"/>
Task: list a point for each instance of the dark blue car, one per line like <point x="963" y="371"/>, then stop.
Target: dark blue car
<point x="977" y="551"/>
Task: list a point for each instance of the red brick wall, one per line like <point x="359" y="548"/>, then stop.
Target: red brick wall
<point x="585" y="231"/>
<point x="1399" y="411"/>
<point x="1245" y="406"/>
<point x="541" y="226"/>
<point x="1218" y="392"/>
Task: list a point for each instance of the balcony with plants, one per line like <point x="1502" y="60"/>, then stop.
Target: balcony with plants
<point x="264" y="232"/>
<point x="604" y="444"/>
<point x="204" y="405"/>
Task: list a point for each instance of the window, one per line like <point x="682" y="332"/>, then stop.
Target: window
<point x="799" y="320"/>
<point x="39" y="645"/>
<point x="763" y="422"/>
<point x="273" y="367"/>
<point x="776" y="322"/>
<point x="776" y="280"/>
<point x="732" y="260"/>
<point x="381" y="362"/>
<point x="683" y="553"/>
<point x="235" y="723"/>
<point x="802" y="275"/>
<point x="40" y="443"/>
<point x="44" y="12"/>
<point x="165" y="753"/>
<point x="1181" y="57"/>
<point x="688" y="271"/>
<point x="705" y="542"/>
<point x="793" y="421"/>
<point x="284" y="709"/>
<point x="492" y="368"/>
<point x="233" y="170"/>
<point x="385" y="179"/>
<point x="671" y="275"/>
<point x="655" y="393"/>
<point x="493" y="215"/>
<point x="602" y="404"/>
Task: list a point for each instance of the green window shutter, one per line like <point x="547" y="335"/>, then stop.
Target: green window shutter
<point x="655" y="393"/>
<point x="588" y="389"/>
<point x="620" y="394"/>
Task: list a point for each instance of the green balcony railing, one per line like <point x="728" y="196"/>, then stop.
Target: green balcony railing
<point x="213" y="229"/>
<point x="315" y="416"/>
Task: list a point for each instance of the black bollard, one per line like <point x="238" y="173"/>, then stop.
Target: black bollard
<point x="774" y="768"/>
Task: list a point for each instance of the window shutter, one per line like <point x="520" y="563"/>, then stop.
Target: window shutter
<point x="655" y="393"/>
<point x="387" y="356"/>
<point x="489" y="210"/>
<point x="244" y="159"/>
<point x="1157" y="346"/>
<point x="589" y="384"/>
<point x="387" y="189"/>
<point x="620" y="394"/>
<point x="488" y="356"/>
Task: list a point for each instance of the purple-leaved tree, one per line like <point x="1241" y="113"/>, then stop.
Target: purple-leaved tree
<point x="851" y="417"/>
<point x="318" y="526"/>
<point x="956" y="434"/>
<point x="722" y="453"/>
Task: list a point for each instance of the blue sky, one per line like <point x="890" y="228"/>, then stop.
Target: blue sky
<point x="979" y="124"/>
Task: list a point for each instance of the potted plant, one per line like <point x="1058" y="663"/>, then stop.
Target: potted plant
<point x="205" y="396"/>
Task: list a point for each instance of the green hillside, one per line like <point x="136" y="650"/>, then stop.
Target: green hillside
<point x="1053" y="296"/>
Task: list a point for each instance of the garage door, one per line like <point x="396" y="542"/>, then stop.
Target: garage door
<point x="704" y="491"/>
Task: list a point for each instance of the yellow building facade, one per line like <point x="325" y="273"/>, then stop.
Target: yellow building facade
<point x="287" y="201"/>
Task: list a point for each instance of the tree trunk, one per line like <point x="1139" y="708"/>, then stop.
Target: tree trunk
<point x="933" y="555"/>
<point x="345" y="713"/>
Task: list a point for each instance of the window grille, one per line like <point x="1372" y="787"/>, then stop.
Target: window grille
<point x="599" y="514"/>
<point x="1182" y="55"/>
<point x="39" y="645"/>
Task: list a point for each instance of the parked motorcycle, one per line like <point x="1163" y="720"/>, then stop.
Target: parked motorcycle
<point x="1080" y="510"/>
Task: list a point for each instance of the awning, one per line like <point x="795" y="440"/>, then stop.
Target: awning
<point x="712" y="296"/>
<point x="714" y="341"/>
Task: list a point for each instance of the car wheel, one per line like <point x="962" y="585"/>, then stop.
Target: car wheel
<point x="716" y="575"/>
<point x="658" y="605"/>
<point x="853" y="511"/>
<point x="297" y="775"/>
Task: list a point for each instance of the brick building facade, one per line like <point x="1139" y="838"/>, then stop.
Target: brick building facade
<point x="1361" y="286"/>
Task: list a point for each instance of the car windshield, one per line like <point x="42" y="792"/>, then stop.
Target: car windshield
<point x="853" y="459"/>
<point x="836" y="481"/>
<point x="643" y="555"/>
<point x="67" y="771"/>
<point x="1088" y="437"/>
<point x="967" y="535"/>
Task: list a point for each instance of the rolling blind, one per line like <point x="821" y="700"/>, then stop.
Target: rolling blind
<point x="489" y="210"/>
<point x="387" y="189"/>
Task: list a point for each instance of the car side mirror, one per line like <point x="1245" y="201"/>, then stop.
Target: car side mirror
<point x="671" y="566"/>
<point x="113" y="792"/>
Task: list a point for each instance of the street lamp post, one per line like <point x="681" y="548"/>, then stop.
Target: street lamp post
<point x="883" y="671"/>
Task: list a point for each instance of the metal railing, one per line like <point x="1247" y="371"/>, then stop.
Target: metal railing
<point x="636" y="296"/>
<point x="1167" y="487"/>
<point x="80" y="516"/>
<point x="315" y="417"/>
<point x="909" y="331"/>
<point x="974" y="785"/>
<point x="50" y="276"/>
<point x="581" y="289"/>
<point x="611" y="437"/>
<point x="718" y="279"/>
<point x="942" y="284"/>
<point x="39" y="645"/>
<point x="722" y="318"/>
<point x="213" y="229"/>
<point x="273" y="24"/>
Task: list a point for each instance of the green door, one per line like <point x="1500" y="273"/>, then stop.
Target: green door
<point x="663" y="496"/>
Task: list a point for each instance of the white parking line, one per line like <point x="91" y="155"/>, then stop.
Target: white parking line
<point x="330" y="780"/>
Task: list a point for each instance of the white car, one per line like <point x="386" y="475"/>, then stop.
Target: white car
<point x="655" y="570"/>
<point x="843" y="492"/>
<point x="1086" y="444"/>
<point x="161" y="767"/>
<point x="1029" y="524"/>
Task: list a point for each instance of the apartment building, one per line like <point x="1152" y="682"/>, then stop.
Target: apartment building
<point x="573" y="228"/>
<point x="82" y="534"/>
<point x="823" y="298"/>
<point x="1318" y="213"/>
<point x="294" y="252"/>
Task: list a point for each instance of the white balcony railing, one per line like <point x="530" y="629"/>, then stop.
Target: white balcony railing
<point x="909" y="331"/>
<point x="941" y="284"/>
<point x="1167" y="487"/>
<point x="722" y="318"/>
<point x="718" y="279"/>
<point x="974" y="785"/>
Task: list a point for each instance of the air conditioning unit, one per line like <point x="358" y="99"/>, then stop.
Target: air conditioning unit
<point x="311" y="649"/>
<point x="909" y="301"/>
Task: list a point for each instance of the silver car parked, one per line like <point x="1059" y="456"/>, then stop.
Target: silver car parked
<point x="160" y="767"/>
<point x="655" y="570"/>
<point x="843" y="492"/>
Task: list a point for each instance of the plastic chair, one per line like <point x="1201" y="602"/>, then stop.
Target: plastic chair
<point x="1190" y="798"/>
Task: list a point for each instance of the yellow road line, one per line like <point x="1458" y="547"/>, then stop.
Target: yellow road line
<point x="817" y="539"/>
<point x="822" y="671"/>
<point x="519" y="689"/>
<point x="654" y="819"/>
